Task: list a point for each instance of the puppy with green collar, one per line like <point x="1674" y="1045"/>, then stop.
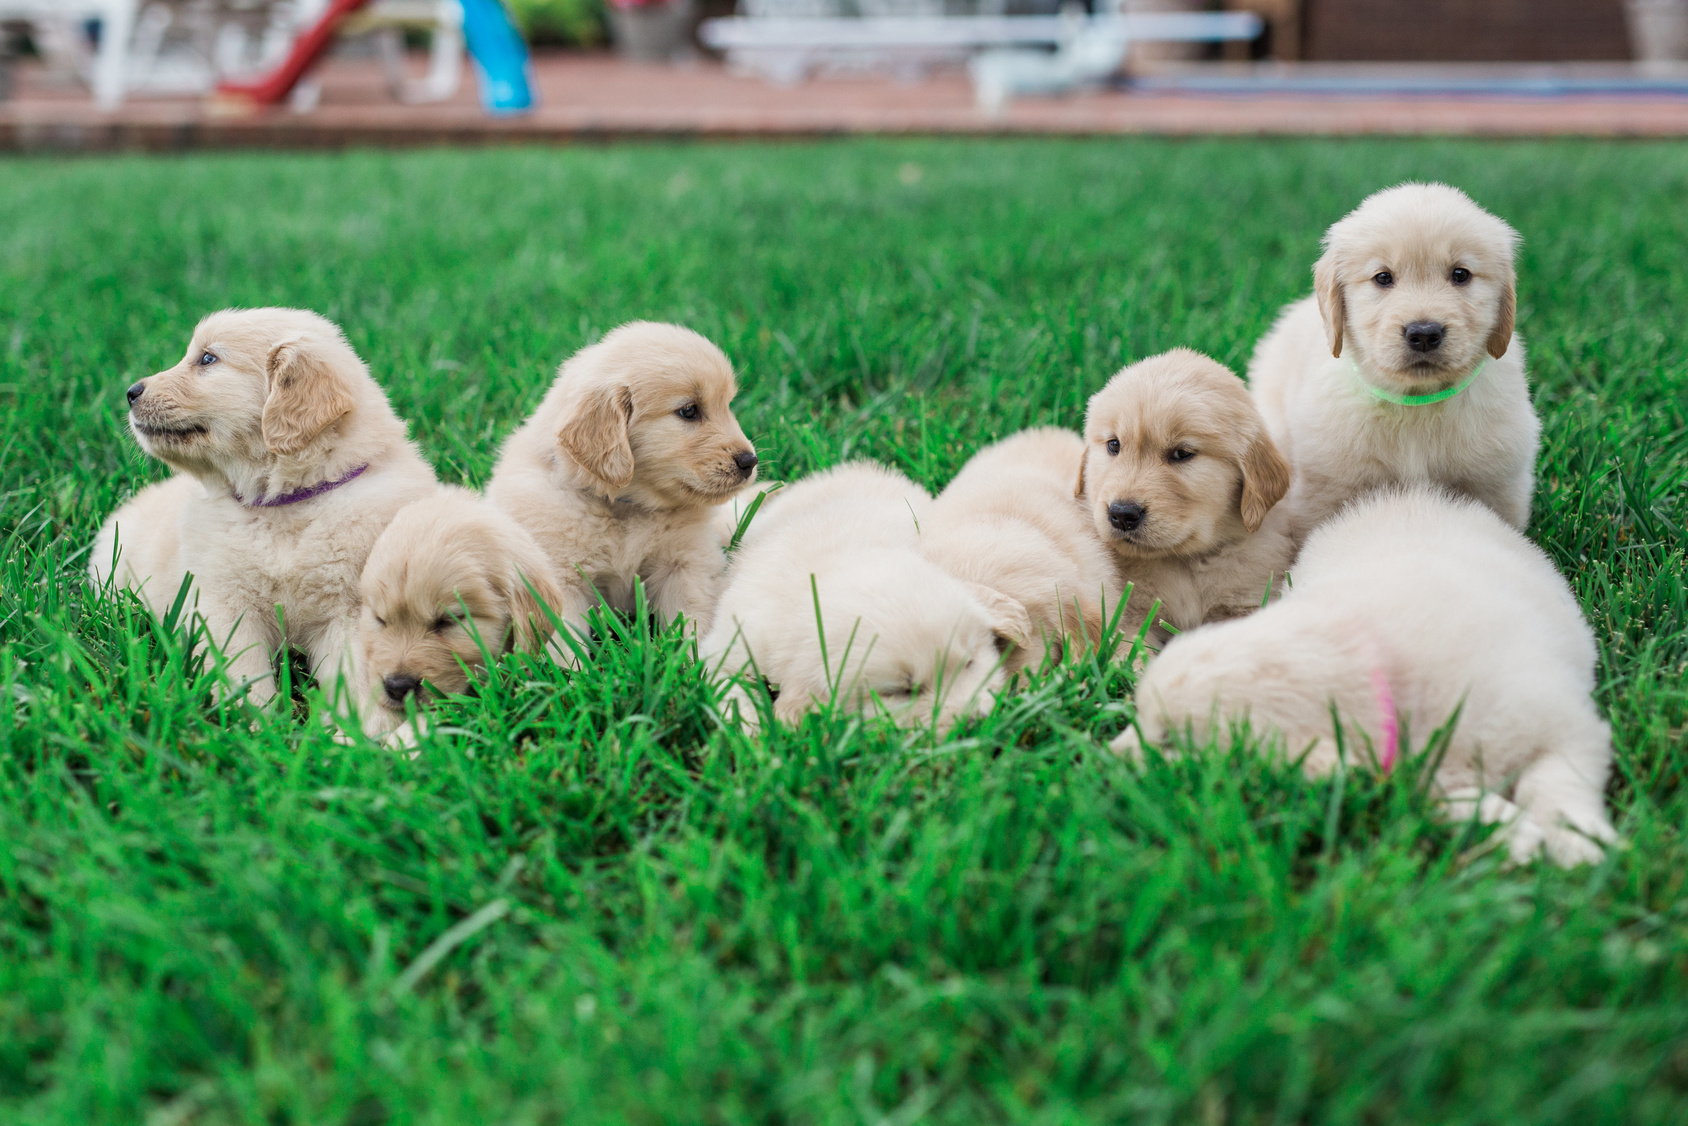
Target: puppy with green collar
<point x="1402" y="367"/>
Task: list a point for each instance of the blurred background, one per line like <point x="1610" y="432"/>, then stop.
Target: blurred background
<point x="174" y="73"/>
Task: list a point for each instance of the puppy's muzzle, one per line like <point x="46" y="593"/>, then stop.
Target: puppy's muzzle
<point x="1424" y="336"/>
<point x="1126" y="515"/>
<point x="398" y="687"/>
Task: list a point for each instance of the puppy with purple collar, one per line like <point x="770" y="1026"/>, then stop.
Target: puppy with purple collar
<point x="289" y="463"/>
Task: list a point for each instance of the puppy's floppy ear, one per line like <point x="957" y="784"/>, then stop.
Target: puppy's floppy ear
<point x="1009" y="620"/>
<point x="1265" y="479"/>
<point x="1500" y="337"/>
<point x="306" y="395"/>
<point x="530" y="625"/>
<point x="594" y="434"/>
<point x="1328" y="288"/>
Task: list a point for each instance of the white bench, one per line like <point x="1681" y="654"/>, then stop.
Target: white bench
<point x="1001" y="50"/>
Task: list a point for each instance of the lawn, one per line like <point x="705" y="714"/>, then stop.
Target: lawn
<point x="585" y="902"/>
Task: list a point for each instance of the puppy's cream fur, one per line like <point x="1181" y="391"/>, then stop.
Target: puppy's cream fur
<point x="893" y="627"/>
<point x="1009" y="521"/>
<point x="1177" y="436"/>
<point x="451" y="578"/>
<point x="264" y="403"/>
<point x="1309" y="374"/>
<point x="615" y="484"/>
<point x="1453" y="610"/>
<point x="148" y="560"/>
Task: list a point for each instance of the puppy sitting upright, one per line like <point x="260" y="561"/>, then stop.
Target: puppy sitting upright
<point x="893" y="630"/>
<point x="1403" y="366"/>
<point x="299" y="462"/>
<point x="1181" y="481"/>
<point x="451" y="579"/>
<point x="617" y="473"/>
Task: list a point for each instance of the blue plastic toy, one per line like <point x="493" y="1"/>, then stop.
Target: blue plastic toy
<point x="501" y="57"/>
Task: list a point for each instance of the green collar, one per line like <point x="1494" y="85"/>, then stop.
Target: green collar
<point x="1419" y="400"/>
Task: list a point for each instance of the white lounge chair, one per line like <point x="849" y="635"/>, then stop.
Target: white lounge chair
<point x="1002" y="50"/>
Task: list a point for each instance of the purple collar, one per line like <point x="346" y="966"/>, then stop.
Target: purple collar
<point x="306" y="493"/>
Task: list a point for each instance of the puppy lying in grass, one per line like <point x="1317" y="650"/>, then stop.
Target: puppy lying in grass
<point x="1181" y="481"/>
<point x="290" y="462"/>
<point x="451" y="580"/>
<point x="1403" y="366"/>
<point x="1409" y="607"/>
<point x="1009" y="521"/>
<point x="894" y="631"/>
<point x="618" y="472"/>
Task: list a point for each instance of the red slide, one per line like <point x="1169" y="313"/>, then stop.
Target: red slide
<point x="278" y="83"/>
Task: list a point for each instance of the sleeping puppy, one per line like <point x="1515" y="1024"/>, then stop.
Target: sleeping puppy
<point x="618" y="474"/>
<point x="1181" y="481"/>
<point x="451" y="579"/>
<point x="894" y="632"/>
<point x="296" y="461"/>
<point x="1410" y="606"/>
<point x="1009" y="521"/>
<point x="1403" y="366"/>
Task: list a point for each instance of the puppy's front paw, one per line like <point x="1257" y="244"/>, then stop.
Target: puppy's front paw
<point x="1568" y="848"/>
<point x="1128" y="744"/>
<point x="1524" y="838"/>
<point x="737" y="709"/>
<point x="406" y="736"/>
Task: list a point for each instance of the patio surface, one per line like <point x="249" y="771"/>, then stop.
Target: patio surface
<point x="590" y="97"/>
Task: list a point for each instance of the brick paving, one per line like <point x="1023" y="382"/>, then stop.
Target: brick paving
<point x="591" y="97"/>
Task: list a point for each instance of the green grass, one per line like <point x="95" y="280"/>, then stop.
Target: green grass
<point x="210" y="919"/>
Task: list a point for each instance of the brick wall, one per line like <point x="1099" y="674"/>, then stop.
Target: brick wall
<point x="1464" y="30"/>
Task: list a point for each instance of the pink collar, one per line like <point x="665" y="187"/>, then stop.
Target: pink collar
<point x="305" y="493"/>
<point x="1391" y="724"/>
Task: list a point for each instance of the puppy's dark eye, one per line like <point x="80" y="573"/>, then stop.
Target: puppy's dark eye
<point x="1182" y="453"/>
<point x="1460" y="275"/>
<point x="382" y="622"/>
<point x="689" y="412"/>
<point x="1384" y="279"/>
<point x="444" y="623"/>
<point x="206" y="359"/>
<point x="1113" y="447"/>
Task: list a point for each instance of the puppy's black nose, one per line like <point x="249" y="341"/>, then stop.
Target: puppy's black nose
<point x="1126" y="515"/>
<point x="399" y="686"/>
<point x="745" y="460"/>
<point x="136" y="390"/>
<point x="1424" y="336"/>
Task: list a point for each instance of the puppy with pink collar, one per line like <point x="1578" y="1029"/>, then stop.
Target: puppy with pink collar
<point x="1408" y="610"/>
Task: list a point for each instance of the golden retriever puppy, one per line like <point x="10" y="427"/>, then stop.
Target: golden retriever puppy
<point x="451" y="579"/>
<point x="1408" y="607"/>
<point x="1009" y="521"/>
<point x="1403" y="366"/>
<point x="893" y="630"/>
<point x="619" y="471"/>
<point x="297" y="463"/>
<point x="1182" y="482"/>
